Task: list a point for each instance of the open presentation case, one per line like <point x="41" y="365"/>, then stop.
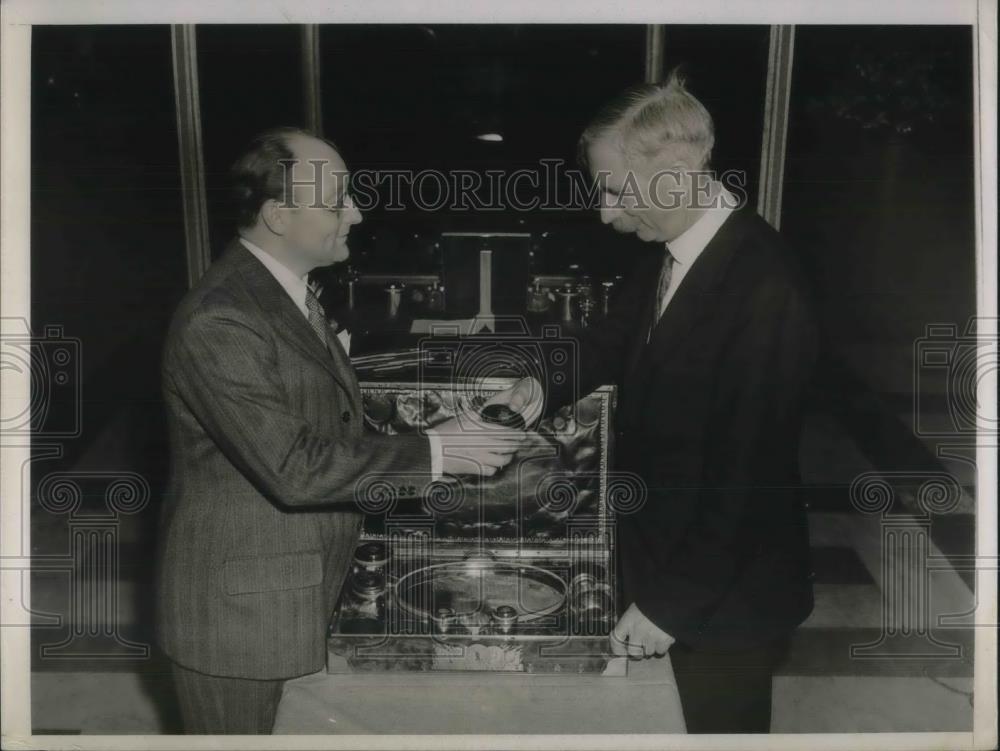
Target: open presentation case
<point x="512" y="573"/>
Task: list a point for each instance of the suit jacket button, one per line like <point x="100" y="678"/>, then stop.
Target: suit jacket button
<point x="346" y="417"/>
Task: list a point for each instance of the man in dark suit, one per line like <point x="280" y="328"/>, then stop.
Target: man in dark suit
<point x="712" y="343"/>
<point x="268" y="445"/>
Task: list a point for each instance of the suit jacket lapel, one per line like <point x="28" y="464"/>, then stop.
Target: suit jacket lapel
<point x="678" y="318"/>
<point x="638" y="343"/>
<point x="695" y="290"/>
<point x="686" y="307"/>
<point x="343" y="361"/>
<point x="276" y="302"/>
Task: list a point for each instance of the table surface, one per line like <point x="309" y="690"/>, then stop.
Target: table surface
<point x="646" y="701"/>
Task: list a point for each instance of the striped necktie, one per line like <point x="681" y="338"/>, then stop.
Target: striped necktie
<point x="317" y="318"/>
<point x="663" y="286"/>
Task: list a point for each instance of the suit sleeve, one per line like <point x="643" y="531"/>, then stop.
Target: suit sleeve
<point x="225" y="371"/>
<point x="750" y="440"/>
<point x="601" y="351"/>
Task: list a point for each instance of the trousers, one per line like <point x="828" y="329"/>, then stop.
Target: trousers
<point x="726" y="692"/>
<point x="216" y="705"/>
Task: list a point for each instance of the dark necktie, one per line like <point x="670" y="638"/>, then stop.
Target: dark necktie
<point x="317" y="318"/>
<point x="663" y="285"/>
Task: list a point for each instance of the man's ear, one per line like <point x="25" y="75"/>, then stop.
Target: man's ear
<point x="272" y="216"/>
<point x="682" y="167"/>
<point x="680" y="164"/>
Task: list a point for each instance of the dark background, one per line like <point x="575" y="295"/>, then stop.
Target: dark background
<point x="878" y="187"/>
<point x="878" y="193"/>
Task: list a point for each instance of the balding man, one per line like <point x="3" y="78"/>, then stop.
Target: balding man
<point x="713" y="345"/>
<point x="267" y="446"/>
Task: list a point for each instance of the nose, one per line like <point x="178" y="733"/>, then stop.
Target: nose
<point x="610" y="210"/>
<point x="353" y="214"/>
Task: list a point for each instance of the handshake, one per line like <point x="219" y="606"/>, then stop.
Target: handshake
<point x="482" y="444"/>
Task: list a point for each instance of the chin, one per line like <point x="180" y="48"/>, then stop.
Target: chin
<point x="647" y="234"/>
<point x="334" y="251"/>
<point x="341" y="253"/>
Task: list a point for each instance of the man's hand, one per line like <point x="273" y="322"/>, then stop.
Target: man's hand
<point x="470" y="446"/>
<point x="637" y="636"/>
<point x="526" y="397"/>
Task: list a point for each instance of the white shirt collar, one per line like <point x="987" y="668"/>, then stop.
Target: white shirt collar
<point x="689" y="245"/>
<point x="297" y="287"/>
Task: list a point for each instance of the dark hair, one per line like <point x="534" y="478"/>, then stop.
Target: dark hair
<point x="258" y="175"/>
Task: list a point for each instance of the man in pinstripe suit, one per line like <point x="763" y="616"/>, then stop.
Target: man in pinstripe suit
<point x="267" y="446"/>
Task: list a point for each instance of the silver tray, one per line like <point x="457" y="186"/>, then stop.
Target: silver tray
<point x="471" y="590"/>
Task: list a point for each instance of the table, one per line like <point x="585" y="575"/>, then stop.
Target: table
<point x="646" y="701"/>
